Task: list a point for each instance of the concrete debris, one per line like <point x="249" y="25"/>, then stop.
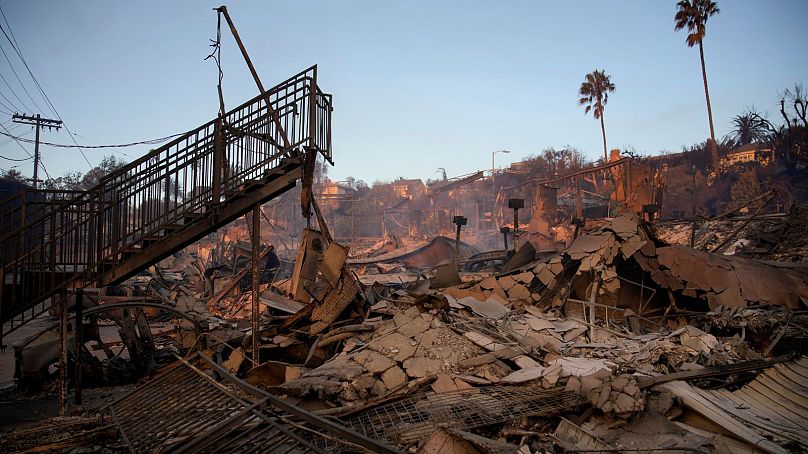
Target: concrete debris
<point x="623" y="325"/>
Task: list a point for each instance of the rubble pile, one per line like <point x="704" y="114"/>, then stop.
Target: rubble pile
<point x="603" y="332"/>
<point x="778" y="237"/>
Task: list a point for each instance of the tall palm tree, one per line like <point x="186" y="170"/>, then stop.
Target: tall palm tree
<point x="594" y="93"/>
<point x="693" y="15"/>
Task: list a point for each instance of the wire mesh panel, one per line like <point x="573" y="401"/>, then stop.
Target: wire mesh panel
<point x="411" y="419"/>
<point x="186" y="411"/>
<point x="175" y="406"/>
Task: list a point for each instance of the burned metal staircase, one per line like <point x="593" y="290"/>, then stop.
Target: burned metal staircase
<point x="136" y="216"/>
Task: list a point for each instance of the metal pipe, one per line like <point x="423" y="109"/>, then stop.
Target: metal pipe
<point x="62" y="305"/>
<point x="79" y="344"/>
<point x="223" y="10"/>
<point x="256" y="244"/>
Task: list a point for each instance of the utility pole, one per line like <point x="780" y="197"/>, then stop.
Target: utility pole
<point x="38" y="122"/>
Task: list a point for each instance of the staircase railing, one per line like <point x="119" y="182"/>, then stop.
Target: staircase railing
<point x="71" y="243"/>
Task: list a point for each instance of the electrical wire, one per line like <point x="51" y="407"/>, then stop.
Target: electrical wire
<point x="41" y="164"/>
<point x="9" y="140"/>
<point x="13" y="106"/>
<point x="41" y="90"/>
<point x="123" y="145"/>
<point x="16" y="160"/>
<point x="9" y="85"/>
<point x="95" y="142"/>
<point x="16" y="75"/>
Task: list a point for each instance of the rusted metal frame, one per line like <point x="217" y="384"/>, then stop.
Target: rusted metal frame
<point x="154" y="222"/>
<point x="223" y="10"/>
<point x="2" y="304"/>
<point x="240" y="134"/>
<point x="248" y="437"/>
<point x="744" y="205"/>
<point x="745" y="223"/>
<point x="165" y="376"/>
<point x="218" y="162"/>
<point x="63" y="355"/>
<point x="135" y="304"/>
<point x="158" y="400"/>
<point x="317" y="421"/>
<point x="255" y="316"/>
<point x="145" y="159"/>
<point x="81" y="250"/>
<point x="122" y="432"/>
<point x="585" y="171"/>
<point x="224" y="429"/>
<point x="265" y="121"/>
<point x="228" y="212"/>
<point x="53" y="254"/>
<point x="153" y="397"/>
<point x="51" y="199"/>
<point x="189" y="420"/>
<point x="324" y="123"/>
<point x="270" y="437"/>
<point x="290" y="98"/>
<point x="77" y="335"/>
<point x="91" y="235"/>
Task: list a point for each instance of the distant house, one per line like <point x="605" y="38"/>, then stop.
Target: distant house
<point x="335" y="194"/>
<point x="751" y="152"/>
<point x="333" y="189"/>
<point x="520" y="166"/>
<point x="409" y="188"/>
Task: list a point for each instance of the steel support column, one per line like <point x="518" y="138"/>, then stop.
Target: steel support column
<point x="62" y="305"/>
<point x="79" y="344"/>
<point x="256" y="244"/>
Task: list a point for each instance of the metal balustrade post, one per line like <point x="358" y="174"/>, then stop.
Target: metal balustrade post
<point x="62" y="307"/>
<point x="256" y="282"/>
<point x="313" y="110"/>
<point x="2" y="302"/>
<point x="92" y="227"/>
<point x="77" y="334"/>
<point x="116" y="225"/>
<point x="218" y="161"/>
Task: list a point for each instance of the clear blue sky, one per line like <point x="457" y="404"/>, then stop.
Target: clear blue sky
<point x="417" y="85"/>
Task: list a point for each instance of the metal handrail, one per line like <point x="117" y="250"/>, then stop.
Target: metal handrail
<point x="181" y="180"/>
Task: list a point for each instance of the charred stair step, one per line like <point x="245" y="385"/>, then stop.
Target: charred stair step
<point x="149" y="240"/>
<point x="130" y="251"/>
<point x="233" y="194"/>
<point x="191" y="217"/>
<point x="170" y="228"/>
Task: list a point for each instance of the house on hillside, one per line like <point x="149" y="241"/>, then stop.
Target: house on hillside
<point x="409" y="189"/>
<point x="751" y="152"/>
<point x="335" y="194"/>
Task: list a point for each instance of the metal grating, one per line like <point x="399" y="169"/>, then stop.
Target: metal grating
<point x="412" y="419"/>
<point x="186" y="410"/>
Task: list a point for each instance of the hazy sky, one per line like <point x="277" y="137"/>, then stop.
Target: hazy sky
<point x="417" y="85"/>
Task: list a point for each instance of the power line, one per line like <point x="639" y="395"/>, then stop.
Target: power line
<point x="42" y="91"/>
<point x="123" y="145"/>
<point x="29" y="154"/>
<point x="12" y="66"/>
<point x="11" y="89"/>
<point x="21" y="135"/>
<point x="15" y="160"/>
<point x="16" y="46"/>
<point x="13" y="106"/>
<point x="39" y="122"/>
<point x="19" y="80"/>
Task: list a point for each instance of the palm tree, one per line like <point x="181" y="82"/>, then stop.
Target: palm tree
<point x="594" y="93"/>
<point x="750" y="126"/>
<point x="693" y="14"/>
